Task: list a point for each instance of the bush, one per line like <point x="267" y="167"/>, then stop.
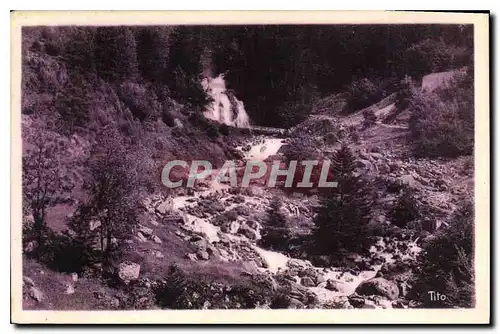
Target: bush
<point x="370" y="118"/>
<point x="430" y="55"/>
<point x="406" y="209"/>
<point x="442" y="121"/>
<point x="182" y="291"/>
<point x="198" y="120"/>
<point x="447" y="265"/>
<point x="363" y="93"/>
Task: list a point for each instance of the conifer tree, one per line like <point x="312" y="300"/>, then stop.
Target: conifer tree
<point x="342" y="216"/>
<point x="276" y="232"/>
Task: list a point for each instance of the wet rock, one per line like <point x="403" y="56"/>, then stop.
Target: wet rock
<point x="333" y="285"/>
<point x="246" y="231"/>
<point x="378" y="286"/>
<point x="320" y="279"/>
<point x="128" y="271"/>
<point x="307" y="281"/>
<point x="356" y="301"/>
<point x="295" y="304"/>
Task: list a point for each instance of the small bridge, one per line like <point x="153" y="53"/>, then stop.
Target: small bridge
<point x="262" y="130"/>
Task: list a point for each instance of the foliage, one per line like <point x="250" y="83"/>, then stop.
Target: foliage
<point x="44" y="181"/>
<point x="276" y="232"/>
<point x="184" y="68"/>
<point x="430" y="55"/>
<point x="73" y="105"/>
<point x="114" y="188"/>
<point x="182" y="291"/>
<point x="406" y="209"/>
<point x="442" y="121"/>
<point x="363" y="93"/>
<point x="116" y="53"/>
<point x="447" y="264"/>
<point x="342" y="216"/>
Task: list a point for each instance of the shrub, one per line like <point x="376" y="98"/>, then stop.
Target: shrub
<point x="442" y="121"/>
<point x="406" y="209"/>
<point x="369" y="118"/>
<point x="182" y="291"/>
<point x="447" y="264"/>
<point x="362" y="93"/>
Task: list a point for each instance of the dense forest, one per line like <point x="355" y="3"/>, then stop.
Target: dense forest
<point x="278" y="71"/>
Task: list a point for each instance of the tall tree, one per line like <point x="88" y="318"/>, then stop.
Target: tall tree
<point x="342" y="216"/>
<point x="44" y="180"/>
<point x="116" y="53"/>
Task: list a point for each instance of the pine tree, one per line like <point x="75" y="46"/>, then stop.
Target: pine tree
<point x="116" y="53"/>
<point x="276" y="233"/>
<point x="184" y="68"/>
<point x="342" y="216"/>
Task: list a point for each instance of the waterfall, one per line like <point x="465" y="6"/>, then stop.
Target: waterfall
<point x="225" y="107"/>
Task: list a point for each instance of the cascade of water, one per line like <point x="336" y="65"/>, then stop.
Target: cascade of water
<point x="221" y="109"/>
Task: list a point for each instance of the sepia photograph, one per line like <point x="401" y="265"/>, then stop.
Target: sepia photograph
<point x="227" y="164"/>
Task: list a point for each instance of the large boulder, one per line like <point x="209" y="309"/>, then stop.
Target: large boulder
<point x="128" y="271"/>
<point x="380" y="287"/>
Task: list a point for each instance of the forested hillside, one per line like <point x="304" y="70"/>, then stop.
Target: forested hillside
<point x="105" y="108"/>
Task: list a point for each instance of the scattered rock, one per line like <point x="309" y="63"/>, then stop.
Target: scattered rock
<point x="157" y="254"/>
<point x="128" y="271"/>
<point x="156" y="239"/>
<point x="378" y="286"/>
<point x="141" y="237"/>
<point x="70" y="289"/>
<point x="203" y="255"/>
<point x="146" y="230"/>
<point x="28" y="281"/>
<point x="36" y="294"/>
<point x="192" y="257"/>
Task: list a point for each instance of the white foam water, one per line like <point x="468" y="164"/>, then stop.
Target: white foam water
<point x="220" y="109"/>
